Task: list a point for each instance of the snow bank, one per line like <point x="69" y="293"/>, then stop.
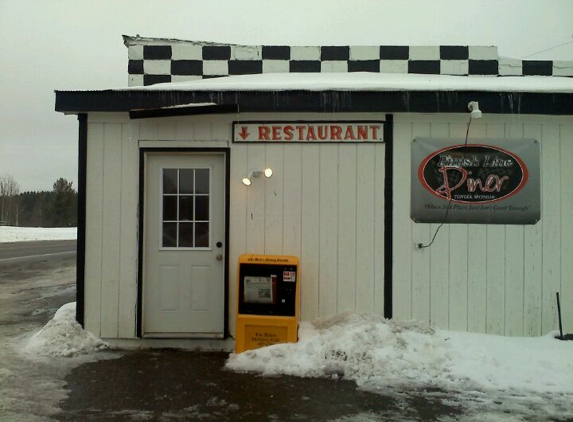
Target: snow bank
<point x="378" y="353"/>
<point x="63" y="336"/>
<point x="25" y="234"/>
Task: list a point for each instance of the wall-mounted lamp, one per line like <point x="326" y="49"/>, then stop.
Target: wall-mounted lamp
<point x="247" y="181"/>
<point x="475" y="112"/>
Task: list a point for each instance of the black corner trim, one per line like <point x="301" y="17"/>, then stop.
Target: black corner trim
<point x="388" y="215"/>
<point x="141" y="209"/>
<point x="81" y="237"/>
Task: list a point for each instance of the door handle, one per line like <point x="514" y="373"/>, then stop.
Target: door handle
<point x="219" y="257"/>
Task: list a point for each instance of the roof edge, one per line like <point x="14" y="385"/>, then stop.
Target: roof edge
<point x="514" y="103"/>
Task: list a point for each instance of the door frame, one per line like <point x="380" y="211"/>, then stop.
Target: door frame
<point x="143" y="152"/>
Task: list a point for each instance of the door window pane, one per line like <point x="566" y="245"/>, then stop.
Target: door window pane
<point x="169" y="235"/>
<point x="169" y="208"/>
<point x="201" y="235"/>
<point x="202" y="208"/>
<point x="169" y="181"/>
<point x="202" y="181"/>
<point x="186" y="235"/>
<point x="186" y="207"/>
<point x="186" y="180"/>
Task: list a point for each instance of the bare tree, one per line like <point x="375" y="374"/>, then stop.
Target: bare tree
<point x="9" y="199"/>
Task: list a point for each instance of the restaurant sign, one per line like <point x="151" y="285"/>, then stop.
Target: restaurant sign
<point x="303" y="131"/>
<point x="489" y="181"/>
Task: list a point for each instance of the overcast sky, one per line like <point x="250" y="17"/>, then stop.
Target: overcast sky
<point x="71" y="44"/>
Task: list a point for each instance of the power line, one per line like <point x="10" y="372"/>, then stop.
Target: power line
<point x="548" y="49"/>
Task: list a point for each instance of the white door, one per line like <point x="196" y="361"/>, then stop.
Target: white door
<point x="184" y="232"/>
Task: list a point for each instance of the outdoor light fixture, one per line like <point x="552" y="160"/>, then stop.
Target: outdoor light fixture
<point x="475" y="112"/>
<point x="247" y="181"/>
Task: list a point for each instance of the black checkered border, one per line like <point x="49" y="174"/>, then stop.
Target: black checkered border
<point x="157" y="63"/>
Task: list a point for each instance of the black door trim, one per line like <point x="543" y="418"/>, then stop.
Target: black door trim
<point x="142" y="169"/>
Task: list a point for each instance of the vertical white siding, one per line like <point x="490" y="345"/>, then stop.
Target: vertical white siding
<point x="111" y="228"/>
<point x="498" y="279"/>
<point x="94" y="228"/>
<point x="310" y="234"/>
<point x="128" y="258"/>
<point x="324" y="203"/>
<point x="566" y="167"/>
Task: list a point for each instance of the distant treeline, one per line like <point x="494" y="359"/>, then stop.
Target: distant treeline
<point x="56" y="208"/>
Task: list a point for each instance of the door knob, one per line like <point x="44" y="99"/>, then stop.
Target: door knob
<point x="219" y="257"/>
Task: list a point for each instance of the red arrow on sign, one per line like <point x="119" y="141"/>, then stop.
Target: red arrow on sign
<point x="244" y="132"/>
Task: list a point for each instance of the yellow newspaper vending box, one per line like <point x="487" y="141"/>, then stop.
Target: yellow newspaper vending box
<point x="268" y="295"/>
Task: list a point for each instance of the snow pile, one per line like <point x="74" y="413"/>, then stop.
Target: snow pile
<point x="378" y="353"/>
<point x="62" y="336"/>
<point x="26" y="234"/>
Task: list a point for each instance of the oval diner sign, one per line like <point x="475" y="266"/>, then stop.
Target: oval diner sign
<point x="474" y="173"/>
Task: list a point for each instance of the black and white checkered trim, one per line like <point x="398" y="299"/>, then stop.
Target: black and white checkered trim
<point x="153" y="60"/>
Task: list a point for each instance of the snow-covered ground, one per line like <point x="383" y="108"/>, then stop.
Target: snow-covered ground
<point x="25" y="234"/>
<point x="491" y="378"/>
<point x="35" y="356"/>
<point x="488" y="378"/>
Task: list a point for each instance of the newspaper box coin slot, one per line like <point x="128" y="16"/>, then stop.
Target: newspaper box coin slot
<point x="268" y="289"/>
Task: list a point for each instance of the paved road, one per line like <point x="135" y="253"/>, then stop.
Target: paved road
<point x="30" y="294"/>
<point x="22" y="252"/>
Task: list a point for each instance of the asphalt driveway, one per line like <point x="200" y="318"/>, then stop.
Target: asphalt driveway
<point x="174" y="385"/>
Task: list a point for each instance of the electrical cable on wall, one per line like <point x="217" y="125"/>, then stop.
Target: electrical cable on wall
<point x="475" y="113"/>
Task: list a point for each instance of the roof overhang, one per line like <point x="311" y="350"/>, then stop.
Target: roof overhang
<point x="327" y="93"/>
<point x="308" y="101"/>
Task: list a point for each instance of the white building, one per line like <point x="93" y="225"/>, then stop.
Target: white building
<point x="164" y="214"/>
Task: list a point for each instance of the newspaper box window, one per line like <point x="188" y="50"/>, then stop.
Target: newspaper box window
<point x="260" y="289"/>
<point x="268" y="301"/>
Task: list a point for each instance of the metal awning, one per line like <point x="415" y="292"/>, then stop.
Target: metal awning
<point x="191" y="109"/>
